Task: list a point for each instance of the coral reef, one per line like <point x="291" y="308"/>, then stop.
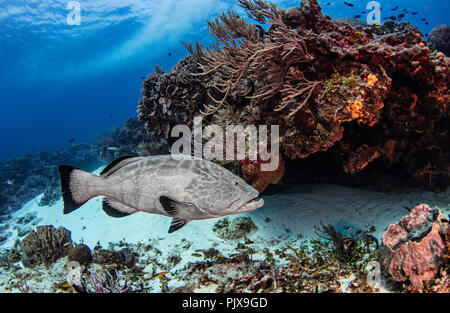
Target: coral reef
<point x="130" y="139"/>
<point x="373" y="95"/>
<point x="282" y="264"/>
<point x="45" y="245"/>
<point x="24" y="224"/>
<point x="8" y="257"/>
<point x="52" y="192"/>
<point x="414" y="248"/>
<point x="439" y="39"/>
<point x="353" y="22"/>
<point x="305" y="267"/>
<point x="36" y="173"/>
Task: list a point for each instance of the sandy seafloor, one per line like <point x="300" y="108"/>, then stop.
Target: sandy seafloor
<point x="293" y="213"/>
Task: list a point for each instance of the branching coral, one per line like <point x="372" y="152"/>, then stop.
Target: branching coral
<point x="105" y="282"/>
<point x="345" y="247"/>
<point x="241" y="50"/>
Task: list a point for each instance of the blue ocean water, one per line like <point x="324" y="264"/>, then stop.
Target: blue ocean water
<point x="60" y="81"/>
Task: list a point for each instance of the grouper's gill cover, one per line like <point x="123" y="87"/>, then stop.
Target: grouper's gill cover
<point x="185" y="189"/>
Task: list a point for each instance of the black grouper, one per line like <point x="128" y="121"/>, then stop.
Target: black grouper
<point x="183" y="188"/>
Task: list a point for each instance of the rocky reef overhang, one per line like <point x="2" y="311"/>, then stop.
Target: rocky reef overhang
<point x="374" y="99"/>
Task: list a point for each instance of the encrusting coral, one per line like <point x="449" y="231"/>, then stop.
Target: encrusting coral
<point x="365" y="94"/>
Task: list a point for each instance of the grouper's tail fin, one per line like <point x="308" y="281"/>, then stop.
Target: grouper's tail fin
<point x="75" y="187"/>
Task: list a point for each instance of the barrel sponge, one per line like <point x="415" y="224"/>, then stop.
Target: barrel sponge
<point x="45" y="245"/>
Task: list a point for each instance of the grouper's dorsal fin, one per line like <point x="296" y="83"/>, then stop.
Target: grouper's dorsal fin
<point x="173" y="208"/>
<point x="117" y="164"/>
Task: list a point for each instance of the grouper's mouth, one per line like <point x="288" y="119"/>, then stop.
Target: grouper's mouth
<point x="253" y="204"/>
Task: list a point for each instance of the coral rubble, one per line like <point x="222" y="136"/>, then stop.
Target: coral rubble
<point x="236" y="229"/>
<point x="120" y="258"/>
<point x="371" y="94"/>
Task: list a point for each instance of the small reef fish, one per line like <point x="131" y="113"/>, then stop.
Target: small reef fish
<point x="160" y="275"/>
<point x="349" y="4"/>
<point x="197" y="255"/>
<point x="184" y="188"/>
<point x="10" y="181"/>
<point x="199" y="250"/>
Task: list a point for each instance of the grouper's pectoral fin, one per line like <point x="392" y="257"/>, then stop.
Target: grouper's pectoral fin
<point x="176" y="225"/>
<point x="173" y="208"/>
<point x="116" y="209"/>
